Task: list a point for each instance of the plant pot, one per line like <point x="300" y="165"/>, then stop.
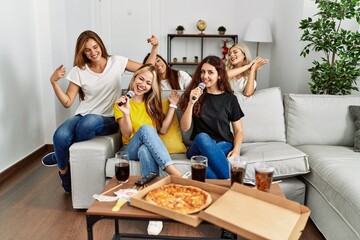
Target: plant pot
<point x="179" y="32"/>
<point x="221" y="32"/>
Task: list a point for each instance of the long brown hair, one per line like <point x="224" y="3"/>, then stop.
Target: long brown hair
<point x="79" y="58"/>
<point x="152" y="98"/>
<point x="172" y="75"/>
<point x="222" y="83"/>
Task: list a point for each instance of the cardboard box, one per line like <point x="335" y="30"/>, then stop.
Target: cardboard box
<point x="138" y="200"/>
<point x="257" y="215"/>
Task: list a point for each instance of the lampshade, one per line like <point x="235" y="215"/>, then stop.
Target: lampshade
<point x="258" y="31"/>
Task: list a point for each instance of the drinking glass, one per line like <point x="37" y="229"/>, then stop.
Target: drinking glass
<point x="198" y="167"/>
<point x="263" y="176"/>
<point x="237" y="167"/>
<point x="122" y="167"/>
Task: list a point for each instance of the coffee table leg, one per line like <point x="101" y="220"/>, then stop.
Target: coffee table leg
<point x="90" y="221"/>
<point x="117" y="233"/>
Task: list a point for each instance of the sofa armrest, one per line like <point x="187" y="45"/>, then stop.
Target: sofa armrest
<point x="87" y="164"/>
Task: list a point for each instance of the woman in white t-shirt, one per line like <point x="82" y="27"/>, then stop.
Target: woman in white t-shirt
<point x="171" y="79"/>
<point x="96" y="77"/>
<point x="241" y="70"/>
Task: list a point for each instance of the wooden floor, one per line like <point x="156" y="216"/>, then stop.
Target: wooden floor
<point x="34" y="206"/>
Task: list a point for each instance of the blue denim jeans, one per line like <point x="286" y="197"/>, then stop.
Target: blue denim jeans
<point x="80" y="128"/>
<point x="146" y="146"/>
<point x="218" y="167"/>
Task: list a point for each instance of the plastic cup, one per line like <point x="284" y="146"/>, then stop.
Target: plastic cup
<point x="237" y="167"/>
<point x="263" y="176"/>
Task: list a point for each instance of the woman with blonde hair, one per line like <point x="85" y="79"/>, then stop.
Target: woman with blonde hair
<point x="241" y="69"/>
<point x="141" y="119"/>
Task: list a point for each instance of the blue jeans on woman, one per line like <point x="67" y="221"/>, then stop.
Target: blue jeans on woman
<point x="80" y="128"/>
<point x="147" y="147"/>
<point x="218" y="167"/>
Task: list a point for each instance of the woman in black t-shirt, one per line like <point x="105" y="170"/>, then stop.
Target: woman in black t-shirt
<point x="211" y="111"/>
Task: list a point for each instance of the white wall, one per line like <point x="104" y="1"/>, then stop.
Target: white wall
<point x="41" y="34"/>
<point x="21" y="95"/>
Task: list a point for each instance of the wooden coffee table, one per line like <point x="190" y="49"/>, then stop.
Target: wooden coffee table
<point x="103" y="210"/>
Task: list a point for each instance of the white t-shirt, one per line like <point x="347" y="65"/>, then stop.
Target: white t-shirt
<point x="238" y="84"/>
<point x="184" y="80"/>
<point x="100" y="89"/>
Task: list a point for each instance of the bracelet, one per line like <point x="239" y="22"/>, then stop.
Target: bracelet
<point x="173" y="105"/>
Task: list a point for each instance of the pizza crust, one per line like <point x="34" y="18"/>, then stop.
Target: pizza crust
<point x="179" y="198"/>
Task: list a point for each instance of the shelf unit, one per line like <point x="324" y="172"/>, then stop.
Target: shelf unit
<point x="170" y="37"/>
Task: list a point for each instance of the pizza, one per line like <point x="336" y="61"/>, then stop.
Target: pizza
<point x="179" y="198"/>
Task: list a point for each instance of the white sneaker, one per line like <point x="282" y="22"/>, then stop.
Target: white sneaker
<point x="155" y="227"/>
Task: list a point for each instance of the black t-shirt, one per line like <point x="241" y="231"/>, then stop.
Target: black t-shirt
<point x="217" y="113"/>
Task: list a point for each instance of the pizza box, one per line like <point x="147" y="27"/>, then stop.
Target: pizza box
<point x="138" y="200"/>
<point x="253" y="214"/>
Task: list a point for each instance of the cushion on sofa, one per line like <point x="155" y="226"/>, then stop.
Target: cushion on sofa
<point x="355" y="113"/>
<point x="264" y="116"/>
<point x="287" y="160"/>
<point x="319" y="119"/>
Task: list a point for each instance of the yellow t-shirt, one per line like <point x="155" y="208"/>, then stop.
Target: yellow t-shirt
<point x="138" y="116"/>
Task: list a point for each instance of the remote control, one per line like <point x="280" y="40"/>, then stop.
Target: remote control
<point x="145" y="179"/>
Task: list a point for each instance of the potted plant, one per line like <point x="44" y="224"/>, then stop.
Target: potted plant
<point x="196" y="59"/>
<point x="222" y="30"/>
<point x="184" y="59"/>
<point x="338" y="68"/>
<point x="180" y="29"/>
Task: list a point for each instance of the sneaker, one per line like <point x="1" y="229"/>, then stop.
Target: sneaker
<point x="49" y="160"/>
<point x="66" y="180"/>
<point x="225" y="234"/>
<point x="155" y="227"/>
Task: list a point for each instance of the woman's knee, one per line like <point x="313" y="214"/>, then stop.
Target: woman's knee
<point x="202" y="137"/>
<point x="62" y="135"/>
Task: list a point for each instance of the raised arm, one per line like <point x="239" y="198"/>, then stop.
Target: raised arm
<point x="238" y="70"/>
<point x="66" y="99"/>
<point x="173" y="101"/>
<point x="250" y="84"/>
<point x="133" y="66"/>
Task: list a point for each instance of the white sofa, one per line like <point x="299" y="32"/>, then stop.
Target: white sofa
<point x="92" y="162"/>
<point x="299" y="133"/>
<point x="321" y="126"/>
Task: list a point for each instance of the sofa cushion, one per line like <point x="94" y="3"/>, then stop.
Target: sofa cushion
<point x="319" y="119"/>
<point x="334" y="172"/>
<point x="264" y="116"/>
<point x="355" y="113"/>
<point x="287" y="160"/>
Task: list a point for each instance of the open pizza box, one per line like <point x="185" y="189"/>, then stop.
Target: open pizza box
<point x="257" y="215"/>
<point x="138" y="200"/>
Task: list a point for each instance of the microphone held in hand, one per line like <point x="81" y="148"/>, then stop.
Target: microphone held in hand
<point x="202" y="87"/>
<point x="129" y="94"/>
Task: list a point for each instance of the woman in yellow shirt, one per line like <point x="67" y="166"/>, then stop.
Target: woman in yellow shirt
<point x="141" y="119"/>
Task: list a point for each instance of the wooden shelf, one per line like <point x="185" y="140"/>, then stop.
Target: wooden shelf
<point x="170" y="37"/>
